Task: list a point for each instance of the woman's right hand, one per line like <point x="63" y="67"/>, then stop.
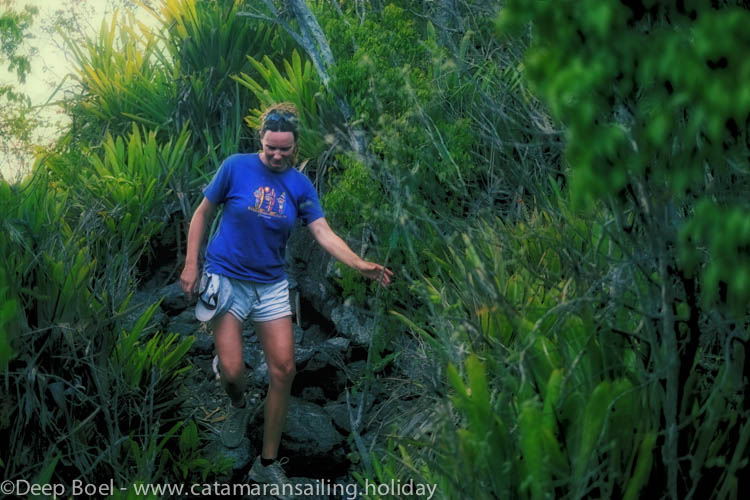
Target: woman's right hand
<point x="189" y="280"/>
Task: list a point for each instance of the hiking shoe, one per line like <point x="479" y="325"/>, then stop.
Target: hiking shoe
<point x="273" y="474"/>
<point x="235" y="425"/>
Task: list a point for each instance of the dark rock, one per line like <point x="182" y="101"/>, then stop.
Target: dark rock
<point x="299" y="334"/>
<point x="248" y="333"/>
<point x="204" y="342"/>
<point x="204" y="372"/>
<point x="353" y="324"/>
<point x="259" y="374"/>
<point x="314" y="336"/>
<point x="310" y="267"/>
<point x="241" y="455"/>
<point x="318" y="361"/>
<point x="184" y="323"/>
<point x="303" y="354"/>
<point x="339" y="409"/>
<point x="253" y="354"/>
<point x="340" y="415"/>
<point x="174" y="299"/>
<point x="313" y="394"/>
<point x="336" y="344"/>
<point x="327" y="353"/>
<point x="255" y="360"/>
<point x="309" y="429"/>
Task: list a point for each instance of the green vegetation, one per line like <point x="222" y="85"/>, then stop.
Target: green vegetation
<point x="561" y="188"/>
<point x="18" y="119"/>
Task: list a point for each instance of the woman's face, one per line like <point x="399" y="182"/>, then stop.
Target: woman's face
<point x="278" y="150"/>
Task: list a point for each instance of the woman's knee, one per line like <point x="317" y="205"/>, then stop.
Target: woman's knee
<point x="282" y="371"/>
<point x="233" y="373"/>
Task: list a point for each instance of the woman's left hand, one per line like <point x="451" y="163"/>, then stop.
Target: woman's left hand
<point x="376" y="272"/>
<point x="334" y="245"/>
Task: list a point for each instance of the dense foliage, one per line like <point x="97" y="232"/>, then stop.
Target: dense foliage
<point x="657" y="125"/>
<point x="561" y="188"/>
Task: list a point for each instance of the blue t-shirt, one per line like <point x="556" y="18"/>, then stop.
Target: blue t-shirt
<point x="260" y="207"/>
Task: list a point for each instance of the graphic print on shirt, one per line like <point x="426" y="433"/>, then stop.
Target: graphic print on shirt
<point x="268" y="203"/>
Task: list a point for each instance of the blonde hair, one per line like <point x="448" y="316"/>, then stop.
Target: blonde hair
<point x="281" y="107"/>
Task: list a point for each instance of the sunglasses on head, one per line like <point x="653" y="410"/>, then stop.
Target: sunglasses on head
<point x="280" y="121"/>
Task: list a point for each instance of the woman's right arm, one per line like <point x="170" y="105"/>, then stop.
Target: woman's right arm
<point x="203" y="214"/>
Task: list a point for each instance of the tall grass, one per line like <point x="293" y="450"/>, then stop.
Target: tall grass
<point x="80" y="402"/>
<point x="538" y="326"/>
<point x="540" y="401"/>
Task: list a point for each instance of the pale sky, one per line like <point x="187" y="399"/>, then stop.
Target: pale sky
<point x="50" y="65"/>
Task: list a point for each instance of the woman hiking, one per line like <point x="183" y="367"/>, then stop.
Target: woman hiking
<point x="244" y="274"/>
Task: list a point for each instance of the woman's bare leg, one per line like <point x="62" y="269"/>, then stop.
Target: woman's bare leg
<point x="278" y="344"/>
<point x="228" y="342"/>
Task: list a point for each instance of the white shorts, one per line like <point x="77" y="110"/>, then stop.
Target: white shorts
<point x="259" y="301"/>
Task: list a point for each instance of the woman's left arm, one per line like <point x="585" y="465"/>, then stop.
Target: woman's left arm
<point x="334" y="245"/>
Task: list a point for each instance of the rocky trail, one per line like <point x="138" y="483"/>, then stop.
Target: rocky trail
<point x="331" y="344"/>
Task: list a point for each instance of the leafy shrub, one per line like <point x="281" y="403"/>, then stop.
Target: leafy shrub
<point x="648" y="95"/>
<point x="124" y="77"/>
<point x="647" y="92"/>
<point x="542" y="402"/>
<point x="300" y="86"/>
<point x="208" y="44"/>
<point x="123" y="196"/>
<point x="350" y="194"/>
<point x="67" y="374"/>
